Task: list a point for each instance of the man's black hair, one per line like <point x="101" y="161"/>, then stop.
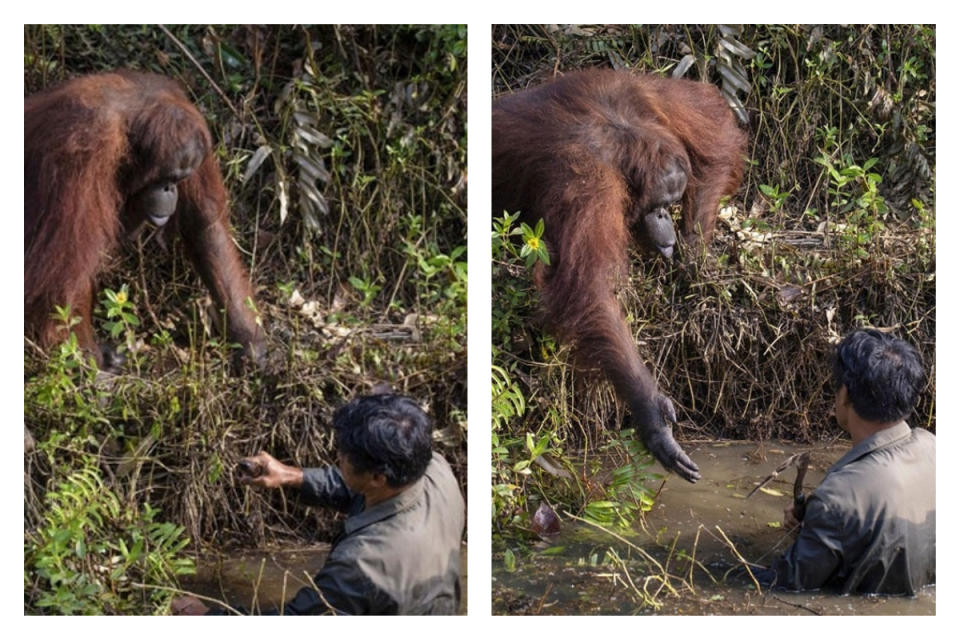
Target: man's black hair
<point x="385" y="433"/>
<point x="883" y="374"/>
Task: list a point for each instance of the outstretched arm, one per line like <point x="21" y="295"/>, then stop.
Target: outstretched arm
<point x="587" y="235"/>
<point x="321" y="486"/>
<point x="606" y="340"/>
<point x="203" y="225"/>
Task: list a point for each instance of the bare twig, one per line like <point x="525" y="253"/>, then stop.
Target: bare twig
<point x="742" y="560"/>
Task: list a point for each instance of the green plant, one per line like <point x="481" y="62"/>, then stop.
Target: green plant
<point x="533" y="248"/>
<point x="65" y="318"/>
<point x="510" y="463"/>
<point x="777" y="198"/>
<point x="628" y="492"/>
<point x="853" y="186"/>
<point x="65" y="389"/>
<point x="442" y="283"/>
<point x="508" y="469"/>
<point x="508" y="401"/>
<point x="367" y="288"/>
<point x="447" y="46"/>
<point x="856" y="197"/>
<point x="122" y="321"/>
<point x="93" y="555"/>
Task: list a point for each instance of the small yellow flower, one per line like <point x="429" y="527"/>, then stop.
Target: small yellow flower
<point x="121" y="296"/>
<point x="533" y="243"/>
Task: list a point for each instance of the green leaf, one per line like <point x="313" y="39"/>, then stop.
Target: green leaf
<point x="509" y="561"/>
<point x="555" y="550"/>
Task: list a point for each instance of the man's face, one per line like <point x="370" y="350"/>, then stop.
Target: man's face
<point x="356" y="481"/>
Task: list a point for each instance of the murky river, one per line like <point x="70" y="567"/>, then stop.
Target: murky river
<point x="678" y="561"/>
<point x="265" y="579"/>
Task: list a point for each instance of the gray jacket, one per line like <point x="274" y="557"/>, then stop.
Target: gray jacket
<point x="870" y="527"/>
<point x="401" y="556"/>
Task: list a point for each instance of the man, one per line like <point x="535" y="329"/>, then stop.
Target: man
<point x="870" y="527"/>
<point x="399" y="552"/>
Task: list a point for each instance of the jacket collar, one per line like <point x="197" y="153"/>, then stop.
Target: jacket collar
<point x="383" y="510"/>
<point x="879" y="440"/>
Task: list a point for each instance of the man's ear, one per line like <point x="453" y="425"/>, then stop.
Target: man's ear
<point x="844" y="396"/>
<point x="379" y="480"/>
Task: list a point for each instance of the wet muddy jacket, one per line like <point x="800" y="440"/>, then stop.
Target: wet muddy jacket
<point x="870" y="527"/>
<point x="401" y="556"/>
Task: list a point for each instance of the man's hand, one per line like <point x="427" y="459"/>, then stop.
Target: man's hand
<point x="790" y="518"/>
<point x="188" y="606"/>
<point x="263" y="470"/>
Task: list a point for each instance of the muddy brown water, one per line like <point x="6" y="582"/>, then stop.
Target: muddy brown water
<point x="588" y="571"/>
<point x="264" y="579"/>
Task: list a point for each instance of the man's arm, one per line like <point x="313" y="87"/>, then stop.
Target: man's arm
<point x="320" y="487"/>
<point x="815" y="556"/>
<point x="324" y="487"/>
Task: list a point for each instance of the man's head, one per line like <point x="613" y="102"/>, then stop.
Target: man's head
<point x="882" y="375"/>
<point x="384" y="434"/>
